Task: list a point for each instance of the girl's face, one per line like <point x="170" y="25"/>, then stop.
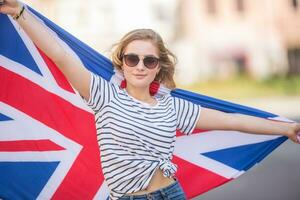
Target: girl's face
<point x="137" y="54"/>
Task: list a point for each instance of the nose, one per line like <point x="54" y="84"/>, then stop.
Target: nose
<point x="140" y="65"/>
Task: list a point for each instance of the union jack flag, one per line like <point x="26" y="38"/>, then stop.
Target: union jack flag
<point x="48" y="146"/>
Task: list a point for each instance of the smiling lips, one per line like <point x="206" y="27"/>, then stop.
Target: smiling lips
<point x="140" y="76"/>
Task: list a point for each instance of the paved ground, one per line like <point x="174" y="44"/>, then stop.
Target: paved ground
<point x="278" y="176"/>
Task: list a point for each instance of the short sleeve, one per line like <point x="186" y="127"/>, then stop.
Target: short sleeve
<point x="187" y="114"/>
<point x="100" y="93"/>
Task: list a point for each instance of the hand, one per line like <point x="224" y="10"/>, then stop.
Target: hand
<point x="294" y="133"/>
<point x="10" y="7"/>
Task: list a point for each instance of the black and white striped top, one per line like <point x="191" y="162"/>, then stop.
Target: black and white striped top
<point x="135" y="138"/>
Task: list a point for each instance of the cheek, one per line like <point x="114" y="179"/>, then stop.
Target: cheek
<point x="154" y="73"/>
<point x="157" y="71"/>
<point x="152" y="76"/>
<point x="126" y="70"/>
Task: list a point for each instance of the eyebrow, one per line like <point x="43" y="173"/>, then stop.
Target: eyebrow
<point x="147" y="55"/>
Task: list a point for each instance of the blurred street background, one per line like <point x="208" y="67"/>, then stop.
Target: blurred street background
<point x="244" y="51"/>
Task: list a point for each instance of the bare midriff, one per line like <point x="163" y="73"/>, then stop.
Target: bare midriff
<point x="157" y="182"/>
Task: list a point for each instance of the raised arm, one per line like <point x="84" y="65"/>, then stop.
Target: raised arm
<point x="70" y="66"/>
<point x="217" y="120"/>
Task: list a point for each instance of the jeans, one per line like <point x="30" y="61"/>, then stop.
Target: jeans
<point x="172" y="192"/>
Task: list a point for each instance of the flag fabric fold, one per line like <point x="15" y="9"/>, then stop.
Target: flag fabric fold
<point x="48" y="145"/>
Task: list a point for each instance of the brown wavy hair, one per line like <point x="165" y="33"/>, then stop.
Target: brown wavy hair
<point x="167" y="59"/>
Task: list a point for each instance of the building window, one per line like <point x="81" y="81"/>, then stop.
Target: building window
<point x="294" y="61"/>
<point x="295" y="4"/>
<point x="240" y="5"/>
<point x="211" y="7"/>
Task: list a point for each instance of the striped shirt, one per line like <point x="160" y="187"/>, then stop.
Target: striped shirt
<point x="135" y="138"/>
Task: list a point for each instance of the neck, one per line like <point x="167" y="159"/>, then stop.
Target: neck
<point x="141" y="94"/>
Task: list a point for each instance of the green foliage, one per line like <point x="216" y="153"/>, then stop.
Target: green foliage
<point x="245" y="87"/>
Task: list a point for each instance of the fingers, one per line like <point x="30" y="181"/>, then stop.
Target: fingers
<point x="295" y="137"/>
<point x="294" y="133"/>
<point x="10" y="7"/>
<point x="297" y="132"/>
<point x="1" y="4"/>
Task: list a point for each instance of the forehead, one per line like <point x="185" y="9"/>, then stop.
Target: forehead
<point x="142" y="47"/>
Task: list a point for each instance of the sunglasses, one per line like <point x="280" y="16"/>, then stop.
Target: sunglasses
<point x="132" y="60"/>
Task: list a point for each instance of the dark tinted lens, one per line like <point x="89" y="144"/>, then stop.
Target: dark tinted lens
<point x="150" y="62"/>
<point x="131" y="60"/>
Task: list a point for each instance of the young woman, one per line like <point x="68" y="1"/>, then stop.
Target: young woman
<point x="136" y="130"/>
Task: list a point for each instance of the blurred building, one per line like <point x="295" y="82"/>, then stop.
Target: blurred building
<point x="212" y="38"/>
<point x="102" y="23"/>
<point x="220" y="38"/>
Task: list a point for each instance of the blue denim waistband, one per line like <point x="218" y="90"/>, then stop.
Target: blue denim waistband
<point x="157" y="194"/>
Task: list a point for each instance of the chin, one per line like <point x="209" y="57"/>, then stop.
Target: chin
<point x="141" y="83"/>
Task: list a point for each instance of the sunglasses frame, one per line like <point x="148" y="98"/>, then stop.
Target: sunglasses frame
<point x="125" y="56"/>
